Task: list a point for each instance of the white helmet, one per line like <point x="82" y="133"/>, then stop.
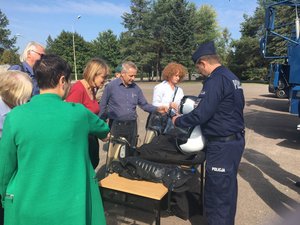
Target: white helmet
<point x="188" y="103"/>
<point x="196" y="141"/>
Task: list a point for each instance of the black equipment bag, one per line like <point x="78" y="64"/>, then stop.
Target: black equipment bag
<point x="163" y="149"/>
<point x="157" y="122"/>
<point x="172" y="176"/>
<point x="183" y="183"/>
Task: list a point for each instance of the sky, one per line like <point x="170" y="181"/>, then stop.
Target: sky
<point x="35" y="20"/>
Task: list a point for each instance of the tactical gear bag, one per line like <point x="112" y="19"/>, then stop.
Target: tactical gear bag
<point x="172" y="176"/>
<point x="163" y="149"/>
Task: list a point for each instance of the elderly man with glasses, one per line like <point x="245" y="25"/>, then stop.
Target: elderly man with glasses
<point x="33" y="52"/>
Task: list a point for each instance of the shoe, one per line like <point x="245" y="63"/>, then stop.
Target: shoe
<point x="297" y="184"/>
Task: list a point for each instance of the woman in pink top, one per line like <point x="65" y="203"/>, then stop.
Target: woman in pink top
<point x="84" y="92"/>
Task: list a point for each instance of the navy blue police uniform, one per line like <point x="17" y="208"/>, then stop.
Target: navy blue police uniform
<point x="220" y="114"/>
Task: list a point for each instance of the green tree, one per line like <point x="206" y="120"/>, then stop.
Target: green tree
<point x="166" y="31"/>
<point x="63" y="46"/>
<point x="106" y="46"/>
<point x="159" y="16"/>
<point x="9" y="57"/>
<point x="179" y="33"/>
<point x="246" y="59"/>
<point x="206" y="26"/>
<point x="49" y="42"/>
<point x="137" y="39"/>
<point x="223" y="45"/>
<point x="5" y="41"/>
<point x="285" y="26"/>
<point x="172" y="30"/>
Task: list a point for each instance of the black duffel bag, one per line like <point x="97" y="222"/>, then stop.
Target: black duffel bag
<point x="173" y="177"/>
<point x="163" y="149"/>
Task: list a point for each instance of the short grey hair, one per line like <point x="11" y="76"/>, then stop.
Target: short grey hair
<point x="128" y="64"/>
<point x="30" y="46"/>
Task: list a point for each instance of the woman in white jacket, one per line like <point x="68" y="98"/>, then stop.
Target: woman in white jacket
<point x="167" y="93"/>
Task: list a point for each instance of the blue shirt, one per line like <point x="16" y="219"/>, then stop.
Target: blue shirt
<point x="27" y="69"/>
<point x="119" y="102"/>
<point x="220" y="111"/>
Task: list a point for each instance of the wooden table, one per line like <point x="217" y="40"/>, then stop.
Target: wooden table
<point x="144" y="189"/>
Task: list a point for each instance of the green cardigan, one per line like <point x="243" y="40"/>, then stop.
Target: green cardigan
<point x="46" y="177"/>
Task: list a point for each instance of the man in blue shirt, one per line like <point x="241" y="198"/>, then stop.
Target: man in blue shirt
<point x="220" y="114"/>
<point x="118" y="103"/>
<point x="33" y="52"/>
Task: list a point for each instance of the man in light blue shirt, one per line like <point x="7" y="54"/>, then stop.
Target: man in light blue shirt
<point x="119" y="101"/>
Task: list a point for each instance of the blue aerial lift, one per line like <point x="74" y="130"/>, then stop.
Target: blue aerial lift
<point x="284" y="78"/>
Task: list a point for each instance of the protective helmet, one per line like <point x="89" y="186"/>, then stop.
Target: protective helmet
<point x="188" y="103"/>
<point x="195" y="142"/>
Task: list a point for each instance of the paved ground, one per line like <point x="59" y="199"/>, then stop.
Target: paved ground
<point x="269" y="167"/>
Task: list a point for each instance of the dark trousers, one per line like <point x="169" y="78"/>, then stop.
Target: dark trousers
<point x="94" y="150"/>
<point x="126" y="129"/>
<point x="220" y="193"/>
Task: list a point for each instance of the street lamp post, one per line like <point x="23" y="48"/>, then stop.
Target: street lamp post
<point x="74" y="53"/>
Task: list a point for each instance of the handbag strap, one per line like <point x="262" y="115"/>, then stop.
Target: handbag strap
<point x="176" y="88"/>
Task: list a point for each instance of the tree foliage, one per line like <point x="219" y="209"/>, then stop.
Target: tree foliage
<point x="223" y="45"/>
<point x="159" y="31"/>
<point x="5" y="41"/>
<point x="106" y="46"/>
<point x="246" y="59"/>
<point x="8" y="50"/>
<point x="63" y="46"/>
<point x="9" y="57"/>
<point x="136" y="42"/>
<point x="285" y="26"/>
<point x="179" y="34"/>
<point x="206" y="26"/>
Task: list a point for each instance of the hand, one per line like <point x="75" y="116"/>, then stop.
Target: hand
<point x="162" y="109"/>
<point x="174" y="105"/>
<point x="174" y="118"/>
<point x="107" y="138"/>
<point x="298" y="127"/>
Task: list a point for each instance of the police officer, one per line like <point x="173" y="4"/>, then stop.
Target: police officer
<point x="220" y="114"/>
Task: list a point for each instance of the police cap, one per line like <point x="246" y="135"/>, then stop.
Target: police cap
<point x="207" y="48"/>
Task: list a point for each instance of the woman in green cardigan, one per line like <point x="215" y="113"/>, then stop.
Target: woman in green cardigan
<point x="46" y="176"/>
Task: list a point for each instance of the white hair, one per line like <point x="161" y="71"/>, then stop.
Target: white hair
<point x="128" y="64"/>
<point x="30" y="46"/>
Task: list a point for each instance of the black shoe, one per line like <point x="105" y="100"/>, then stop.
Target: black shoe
<point x="297" y="184"/>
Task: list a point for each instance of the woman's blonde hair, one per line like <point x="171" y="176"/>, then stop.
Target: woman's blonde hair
<point x="15" y="87"/>
<point x="93" y="68"/>
<point x="173" y="69"/>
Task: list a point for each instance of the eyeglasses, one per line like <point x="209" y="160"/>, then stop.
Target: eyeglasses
<point x="40" y="54"/>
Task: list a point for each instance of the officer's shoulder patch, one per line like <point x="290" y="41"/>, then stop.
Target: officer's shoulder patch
<point x="237" y="84"/>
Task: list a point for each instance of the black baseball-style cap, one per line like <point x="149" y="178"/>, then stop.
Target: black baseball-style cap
<point x="207" y="48"/>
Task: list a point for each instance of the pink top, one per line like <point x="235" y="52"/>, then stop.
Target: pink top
<point x="78" y="94"/>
